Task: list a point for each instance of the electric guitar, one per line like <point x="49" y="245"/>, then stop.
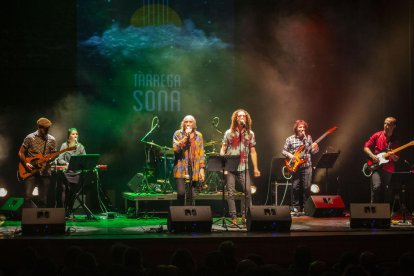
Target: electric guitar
<point x="371" y="166"/>
<point x="38" y="162"/>
<point x="298" y="158"/>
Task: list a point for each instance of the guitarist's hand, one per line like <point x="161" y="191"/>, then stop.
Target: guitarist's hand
<point x="256" y="173"/>
<point x="315" y="147"/>
<point x="29" y="166"/>
<point x="375" y="159"/>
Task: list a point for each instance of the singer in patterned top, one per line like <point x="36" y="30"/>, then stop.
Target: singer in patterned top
<point x="301" y="179"/>
<point x="189" y="159"/>
<point x="239" y="140"/>
<point x="69" y="180"/>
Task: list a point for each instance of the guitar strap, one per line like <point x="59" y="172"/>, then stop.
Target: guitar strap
<point x="44" y="148"/>
<point x="389" y="146"/>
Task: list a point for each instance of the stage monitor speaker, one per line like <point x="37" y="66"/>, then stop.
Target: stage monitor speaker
<point x="189" y="219"/>
<point x="43" y="221"/>
<point x="12" y="208"/>
<point x="370" y="215"/>
<point x="269" y="218"/>
<point x="323" y="206"/>
<point x="136" y="182"/>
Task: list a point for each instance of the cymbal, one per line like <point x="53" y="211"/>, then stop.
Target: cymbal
<point x="153" y="144"/>
<point x="211" y="143"/>
<point x="167" y="150"/>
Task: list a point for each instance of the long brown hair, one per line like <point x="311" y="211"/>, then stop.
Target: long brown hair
<point x="233" y="125"/>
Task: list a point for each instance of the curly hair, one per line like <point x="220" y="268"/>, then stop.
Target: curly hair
<point x="233" y="125"/>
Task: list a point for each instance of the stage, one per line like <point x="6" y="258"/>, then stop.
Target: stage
<point x="327" y="238"/>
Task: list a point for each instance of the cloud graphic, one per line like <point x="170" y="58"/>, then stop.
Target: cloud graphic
<point x="131" y="41"/>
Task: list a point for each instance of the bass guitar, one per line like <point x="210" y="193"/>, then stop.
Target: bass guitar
<point x="370" y="166"/>
<point x="298" y="158"/>
<point x="38" y="162"/>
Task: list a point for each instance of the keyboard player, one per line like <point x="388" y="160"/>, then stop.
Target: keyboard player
<point x="68" y="181"/>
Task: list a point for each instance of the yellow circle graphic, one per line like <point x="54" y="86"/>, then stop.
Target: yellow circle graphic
<point x="155" y="15"/>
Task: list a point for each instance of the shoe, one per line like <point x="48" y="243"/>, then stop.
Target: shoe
<point x="294" y="212"/>
<point x="234" y="221"/>
<point x="243" y="219"/>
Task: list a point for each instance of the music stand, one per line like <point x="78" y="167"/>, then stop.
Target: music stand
<point x="217" y="163"/>
<point x="327" y="161"/>
<point x="83" y="163"/>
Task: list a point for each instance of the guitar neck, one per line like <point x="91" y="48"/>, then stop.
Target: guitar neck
<point x="52" y="156"/>
<point x="400" y="148"/>
<point x="320" y="138"/>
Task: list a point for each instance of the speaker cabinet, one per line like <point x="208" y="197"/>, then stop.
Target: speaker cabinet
<point x="370" y="215"/>
<point x="136" y="182"/>
<point x="189" y="219"/>
<point x="43" y="221"/>
<point x="269" y="218"/>
<point x="12" y="208"/>
<point x="323" y="206"/>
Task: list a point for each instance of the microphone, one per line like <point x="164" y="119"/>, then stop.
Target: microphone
<point x="188" y="130"/>
<point x="242" y="122"/>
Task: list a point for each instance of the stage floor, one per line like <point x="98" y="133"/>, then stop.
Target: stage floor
<point x="117" y="225"/>
<point x="327" y="238"/>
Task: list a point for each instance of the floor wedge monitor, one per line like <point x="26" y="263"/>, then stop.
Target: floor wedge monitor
<point x="369" y="215"/>
<point x="43" y="221"/>
<point x="323" y="206"/>
<point x="269" y="218"/>
<point x="189" y="219"/>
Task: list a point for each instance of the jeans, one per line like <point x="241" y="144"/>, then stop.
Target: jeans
<point x="42" y="183"/>
<point x="300" y="187"/>
<point x="380" y="187"/>
<point x="243" y="179"/>
<point x="185" y="193"/>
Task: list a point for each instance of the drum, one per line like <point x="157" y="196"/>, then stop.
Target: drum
<point x="165" y="171"/>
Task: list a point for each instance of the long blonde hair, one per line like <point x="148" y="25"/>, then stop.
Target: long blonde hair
<point x="188" y="118"/>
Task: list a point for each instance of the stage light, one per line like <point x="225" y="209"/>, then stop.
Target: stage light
<point x="253" y="189"/>
<point x="35" y="191"/>
<point x="315" y="189"/>
<point x="3" y="192"/>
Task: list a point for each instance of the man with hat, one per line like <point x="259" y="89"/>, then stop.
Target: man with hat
<point x="35" y="145"/>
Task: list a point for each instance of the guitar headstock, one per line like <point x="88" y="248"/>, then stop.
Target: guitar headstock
<point x="332" y="130"/>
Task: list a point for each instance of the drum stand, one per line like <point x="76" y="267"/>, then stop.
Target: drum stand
<point x="402" y="178"/>
<point x="166" y="187"/>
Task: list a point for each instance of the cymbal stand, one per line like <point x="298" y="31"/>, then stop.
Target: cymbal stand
<point x="167" y="184"/>
<point x="145" y="185"/>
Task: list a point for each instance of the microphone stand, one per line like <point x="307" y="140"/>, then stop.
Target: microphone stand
<point x="153" y="127"/>
<point x="190" y="172"/>
<point x="245" y="181"/>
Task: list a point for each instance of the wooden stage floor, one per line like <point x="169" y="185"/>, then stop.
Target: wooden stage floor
<point x="327" y="239"/>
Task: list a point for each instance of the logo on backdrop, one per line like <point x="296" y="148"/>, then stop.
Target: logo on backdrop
<point x="157" y="92"/>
